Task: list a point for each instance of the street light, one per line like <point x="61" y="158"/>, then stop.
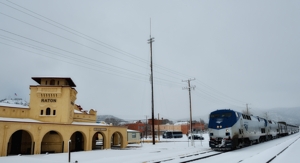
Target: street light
<point x="69" y="143"/>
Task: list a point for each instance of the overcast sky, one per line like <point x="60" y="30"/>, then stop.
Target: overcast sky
<point x="238" y="51"/>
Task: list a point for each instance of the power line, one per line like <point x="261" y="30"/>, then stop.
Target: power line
<point x="87" y="37"/>
<point x="82" y="35"/>
<point x="81" y="44"/>
<point x="218" y="93"/>
<point x="75" y="31"/>
<point x="81" y="61"/>
<point x="70" y="40"/>
<point x="214" y="99"/>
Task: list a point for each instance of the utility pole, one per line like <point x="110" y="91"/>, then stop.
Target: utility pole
<point x="151" y="65"/>
<point x="189" y="88"/>
<point x="146" y="126"/>
<point x="247" y="109"/>
<point x="158" y="128"/>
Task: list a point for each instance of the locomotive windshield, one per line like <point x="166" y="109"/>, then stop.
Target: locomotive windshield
<point x="222" y="119"/>
<point x="220" y="115"/>
<point x="214" y="115"/>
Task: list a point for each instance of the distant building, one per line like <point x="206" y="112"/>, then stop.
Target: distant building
<point x="51" y="120"/>
<point x="133" y="136"/>
<point x="138" y="126"/>
<point x="196" y="127"/>
<point x="184" y="127"/>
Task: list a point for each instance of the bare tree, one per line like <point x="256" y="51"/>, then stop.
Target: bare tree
<point x="112" y="121"/>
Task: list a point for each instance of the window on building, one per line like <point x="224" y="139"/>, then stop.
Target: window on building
<point x="54" y="112"/>
<point x="48" y="111"/>
<point x="52" y="82"/>
<point x="133" y="135"/>
<point x="57" y="82"/>
<point x="42" y="112"/>
<point x="46" y="82"/>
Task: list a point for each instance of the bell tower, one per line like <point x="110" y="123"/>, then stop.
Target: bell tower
<point x="53" y="100"/>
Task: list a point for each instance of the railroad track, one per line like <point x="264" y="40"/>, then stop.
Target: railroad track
<point x="187" y="157"/>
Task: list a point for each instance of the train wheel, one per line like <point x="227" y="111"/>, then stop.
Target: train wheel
<point x="241" y="145"/>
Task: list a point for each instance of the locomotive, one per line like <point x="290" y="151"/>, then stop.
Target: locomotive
<point x="229" y="129"/>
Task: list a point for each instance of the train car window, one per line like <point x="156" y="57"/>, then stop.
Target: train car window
<point x="248" y="117"/>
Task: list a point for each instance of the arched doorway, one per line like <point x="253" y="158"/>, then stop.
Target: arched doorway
<point x="77" y="142"/>
<point x="116" y="140"/>
<point x="52" y="143"/>
<point x="20" y="142"/>
<point x="98" y="141"/>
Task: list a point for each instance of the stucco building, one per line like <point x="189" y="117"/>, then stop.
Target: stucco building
<point x="52" y="120"/>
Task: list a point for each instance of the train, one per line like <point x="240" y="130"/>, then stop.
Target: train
<point x="229" y="129"/>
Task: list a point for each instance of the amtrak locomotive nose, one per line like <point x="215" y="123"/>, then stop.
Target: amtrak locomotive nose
<point x="220" y="128"/>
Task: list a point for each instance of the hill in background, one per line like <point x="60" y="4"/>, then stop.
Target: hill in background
<point x="109" y="119"/>
<point x="289" y="115"/>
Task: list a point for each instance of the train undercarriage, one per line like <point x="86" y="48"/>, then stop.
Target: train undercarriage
<point x="224" y="144"/>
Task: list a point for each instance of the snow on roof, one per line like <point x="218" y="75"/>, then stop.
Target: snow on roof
<point x="181" y="123"/>
<point x="36" y="121"/>
<point x="14" y="102"/>
<point x="77" y="111"/>
<point x="14" y="105"/>
<point x="128" y="130"/>
<point x="18" y="119"/>
<point x="89" y="124"/>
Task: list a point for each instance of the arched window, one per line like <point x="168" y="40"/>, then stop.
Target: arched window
<point x="48" y="111"/>
<point x="52" y="82"/>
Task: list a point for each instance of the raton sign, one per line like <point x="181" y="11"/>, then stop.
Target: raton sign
<point x="48" y="100"/>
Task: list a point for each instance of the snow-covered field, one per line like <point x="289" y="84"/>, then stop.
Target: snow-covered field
<point x="174" y="151"/>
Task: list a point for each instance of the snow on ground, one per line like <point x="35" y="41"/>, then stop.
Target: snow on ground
<point x="268" y="154"/>
<point x="173" y="149"/>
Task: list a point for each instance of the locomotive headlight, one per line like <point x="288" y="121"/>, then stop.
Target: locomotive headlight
<point x="220" y="126"/>
<point x="217" y="126"/>
<point x="227" y="130"/>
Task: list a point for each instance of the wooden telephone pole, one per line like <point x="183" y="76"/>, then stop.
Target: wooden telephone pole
<point x="151" y="77"/>
<point x="189" y="88"/>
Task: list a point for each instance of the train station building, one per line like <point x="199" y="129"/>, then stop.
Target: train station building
<point x="52" y="120"/>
